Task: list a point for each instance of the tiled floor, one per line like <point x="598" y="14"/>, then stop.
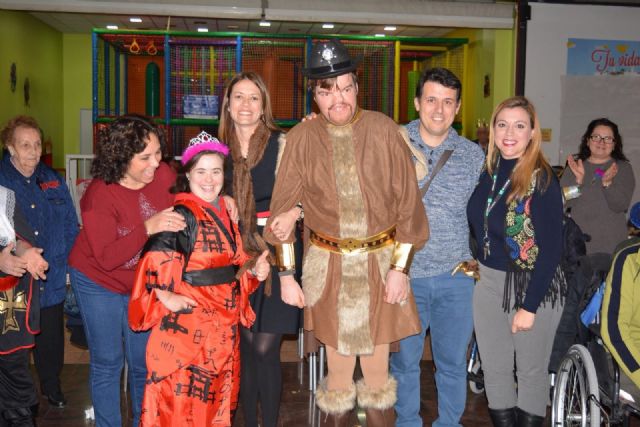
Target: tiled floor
<point x="297" y="408"/>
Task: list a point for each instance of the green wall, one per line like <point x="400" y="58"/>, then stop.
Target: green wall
<point x="59" y="69"/>
<point x="76" y="83"/>
<point x="36" y="49"/>
<point x="490" y="53"/>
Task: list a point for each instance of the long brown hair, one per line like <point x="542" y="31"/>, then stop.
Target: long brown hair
<point x="532" y="159"/>
<point x="227" y="126"/>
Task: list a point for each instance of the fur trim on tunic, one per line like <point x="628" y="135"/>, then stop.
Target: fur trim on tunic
<point x="282" y="143"/>
<point x="383" y="257"/>
<point x="335" y="401"/>
<point x="421" y="160"/>
<point x="314" y="274"/>
<point x="354" y="332"/>
<point x="381" y="398"/>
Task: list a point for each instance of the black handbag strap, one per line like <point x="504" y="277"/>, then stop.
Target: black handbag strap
<point x="443" y="159"/>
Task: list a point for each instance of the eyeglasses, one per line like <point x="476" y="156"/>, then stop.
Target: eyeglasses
<point x="597" y="138"/>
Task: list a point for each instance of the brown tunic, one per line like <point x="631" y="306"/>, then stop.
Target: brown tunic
<point x="390" y="194"/>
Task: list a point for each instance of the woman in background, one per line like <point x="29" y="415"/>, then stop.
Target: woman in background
<point x="256" y="144"/>
<point x="44" y="198"/>
<point x="606" y="181"/>
<point x="127" y="200"/>
<point x="515" y="214"/>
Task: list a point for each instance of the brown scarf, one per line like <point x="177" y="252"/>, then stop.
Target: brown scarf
<point x="243" y="188"/>
<point x="243" y="184"/>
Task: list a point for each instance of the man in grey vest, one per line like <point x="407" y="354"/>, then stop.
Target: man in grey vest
<point x="443" y="297"/>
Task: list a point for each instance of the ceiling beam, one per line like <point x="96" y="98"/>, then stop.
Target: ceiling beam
<point x="471" y="14"/>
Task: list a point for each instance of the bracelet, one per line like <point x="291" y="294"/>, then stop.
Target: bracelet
<point x="285" y="256"/>
<point x="253" y="272"/>
<point x="398" y="268"/>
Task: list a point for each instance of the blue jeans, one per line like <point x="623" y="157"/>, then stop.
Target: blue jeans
<point x="444" y="305"/>
<point x="105" y="317"/>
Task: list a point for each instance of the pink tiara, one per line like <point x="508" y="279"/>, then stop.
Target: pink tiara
<point x="203" y="142"/>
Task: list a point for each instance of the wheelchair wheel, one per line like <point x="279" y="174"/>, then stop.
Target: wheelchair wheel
<point x="476" y="382"/>
<point x="576" y="395"/>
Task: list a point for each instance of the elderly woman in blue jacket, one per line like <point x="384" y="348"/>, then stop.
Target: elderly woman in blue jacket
<point x="44" y="198"/>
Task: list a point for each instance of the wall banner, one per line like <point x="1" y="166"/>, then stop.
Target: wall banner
<point x="587" y="57"/>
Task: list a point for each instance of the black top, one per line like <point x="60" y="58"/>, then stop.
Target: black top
<point x="27" y="316"/>
<point x="262" y="175"/>
<point x="546" y="216"/>
<point x="272" y="314"/>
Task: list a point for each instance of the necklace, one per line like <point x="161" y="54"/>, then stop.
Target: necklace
<point x="491" y="202"/>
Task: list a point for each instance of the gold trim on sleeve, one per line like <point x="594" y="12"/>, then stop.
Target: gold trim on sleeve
<point x="402" y="257"/>
<point x="285" y="257"/>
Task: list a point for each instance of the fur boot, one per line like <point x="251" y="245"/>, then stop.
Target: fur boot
<point x="336" y="405"/>
<point x="378" y="403"/>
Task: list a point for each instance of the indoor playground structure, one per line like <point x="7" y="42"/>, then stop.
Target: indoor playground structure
<point x="178" y="78"/>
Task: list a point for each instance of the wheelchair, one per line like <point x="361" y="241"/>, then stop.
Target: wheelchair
<point x="587" y="390"/>
<point x="475" y="377"/>
<point x="587" y="385"/>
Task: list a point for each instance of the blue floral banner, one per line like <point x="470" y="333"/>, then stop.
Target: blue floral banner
<point x="587" y="57"/>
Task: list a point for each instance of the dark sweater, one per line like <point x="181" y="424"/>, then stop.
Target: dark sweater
<point x="108" y="247"/>
<point x="546" y="216"/>
<point x="46" y="203"/>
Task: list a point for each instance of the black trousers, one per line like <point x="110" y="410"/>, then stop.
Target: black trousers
<point x="48" y="354"/>
<point x="16" y="384"/>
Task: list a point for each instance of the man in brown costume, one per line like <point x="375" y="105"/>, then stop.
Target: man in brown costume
<point x="363" y="216"/>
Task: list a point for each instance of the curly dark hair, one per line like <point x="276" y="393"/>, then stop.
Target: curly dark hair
<point x="6" y="135"/>
<point x="617" y="153"/>
<point x="182" y="183"/>
<point x="119" y="142"/>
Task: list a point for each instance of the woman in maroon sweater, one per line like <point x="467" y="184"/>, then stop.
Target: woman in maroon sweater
<point x="127" y="200"/>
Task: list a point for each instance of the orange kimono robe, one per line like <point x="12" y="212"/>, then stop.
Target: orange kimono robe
<point x="193" y="358"/>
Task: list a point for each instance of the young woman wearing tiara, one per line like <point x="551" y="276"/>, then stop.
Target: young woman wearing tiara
<point x="192" y="289"/>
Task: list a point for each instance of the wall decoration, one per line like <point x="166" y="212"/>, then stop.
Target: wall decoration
<point x="13" y="77"/>
<point x="487" y="86"/>
<point x="586" y="57"/>
<point x="27" y="90"/>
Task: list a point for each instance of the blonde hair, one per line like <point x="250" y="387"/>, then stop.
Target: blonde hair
<point x="227" y="126"/>
<point x="532" y="160"/>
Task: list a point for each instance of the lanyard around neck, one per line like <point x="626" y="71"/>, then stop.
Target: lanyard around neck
<point x="492" y="200"/>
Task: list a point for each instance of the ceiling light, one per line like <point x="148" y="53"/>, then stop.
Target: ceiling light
<point x="327" y="26"/>
<point x="390" y="28"/>
<point x="379" y="35"/>
<point x="232" y="27"/>
<point x="265" y="23"/>
<point x="135" y="19"/>
<point x="203" y="30"/>
<point x="112" y="27"/>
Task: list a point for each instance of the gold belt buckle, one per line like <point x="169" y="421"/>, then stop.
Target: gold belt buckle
<point x="350" y="244"/>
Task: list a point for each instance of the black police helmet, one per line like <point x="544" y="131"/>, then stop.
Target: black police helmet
<point x="329" y="59"/>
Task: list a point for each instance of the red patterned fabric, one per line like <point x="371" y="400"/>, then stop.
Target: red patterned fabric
<point x="193" y="359"/>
